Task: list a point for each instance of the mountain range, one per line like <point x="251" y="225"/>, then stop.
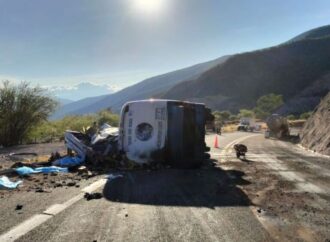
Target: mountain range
<point x="80" y="91"/>
<point x="298" y="69"/>
<point x="153" y="87"/>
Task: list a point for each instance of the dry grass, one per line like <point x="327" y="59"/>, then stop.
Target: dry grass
<point x="297" y="123"/>
<point x="263" y="126"/>
<point x="229" y="128"/>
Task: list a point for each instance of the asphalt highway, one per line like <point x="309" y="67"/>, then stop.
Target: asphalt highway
<point x="227" y="199"/>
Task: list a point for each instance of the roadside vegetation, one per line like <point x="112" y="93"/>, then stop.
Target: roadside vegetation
<point x="24" y="112"/>
<point x="22" y="108"/>
<point x="265" y="106"/>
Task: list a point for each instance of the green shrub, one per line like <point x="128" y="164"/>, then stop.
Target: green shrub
<point x="267" y="104"/>
<point x="246" y="113"/>
<point x="291" y="117"/>
<point x="305" y="115"/>
<point x="22" y="108"/>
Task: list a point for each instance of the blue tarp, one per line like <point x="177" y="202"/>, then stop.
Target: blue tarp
<point x="51" y="169"/>
<point x="69" y="161"/>
<point x="24" y="170"/>
<point x="6" y="183"/>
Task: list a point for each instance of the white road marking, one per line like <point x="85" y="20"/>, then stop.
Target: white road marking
<point x="298" y="179"/>
<point x="92" y="187"/>
<point x="36" y="220"/>
<point x="25" y="227"/>
<point x="275" y="164"/>
<point x="283" y="170"/>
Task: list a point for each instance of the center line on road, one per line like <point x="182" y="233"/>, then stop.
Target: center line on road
<point x="38" y="219"/>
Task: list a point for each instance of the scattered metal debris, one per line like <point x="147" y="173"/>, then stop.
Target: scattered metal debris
<point x="19" y="207"/>
<point x="90" y="196"/>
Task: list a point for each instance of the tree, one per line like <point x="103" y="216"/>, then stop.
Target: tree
<point x="233" y="117"/>
<point x="221" y="117"/>
<point x="291" y="117"/>
<point x="305" y="115"/>
<point x="106" y="116"/>
<point x="22" y="107"/>
<point x="245" y="113"/>
<point x="267" y="104"/>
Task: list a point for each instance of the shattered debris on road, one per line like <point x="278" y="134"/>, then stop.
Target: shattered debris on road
<point x="91" y="196"/>
<point x="150" y="137"/>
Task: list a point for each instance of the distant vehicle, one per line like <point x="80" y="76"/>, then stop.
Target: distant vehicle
<point x="164" y="131"/>
<point x="247" y="125"/>
<point x="278" y="127"/>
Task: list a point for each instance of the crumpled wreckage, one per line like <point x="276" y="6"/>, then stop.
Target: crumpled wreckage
<point x="94" y="146"/>
<point x="150" y="132"/>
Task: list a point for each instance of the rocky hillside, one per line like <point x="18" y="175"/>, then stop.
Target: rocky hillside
<point x="316" y="132"/>
<point x="288" y="69"/>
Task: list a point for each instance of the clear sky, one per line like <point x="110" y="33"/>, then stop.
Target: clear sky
<point x="120" y="42"/>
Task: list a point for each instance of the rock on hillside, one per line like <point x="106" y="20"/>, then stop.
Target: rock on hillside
<point x="316" y="132"/>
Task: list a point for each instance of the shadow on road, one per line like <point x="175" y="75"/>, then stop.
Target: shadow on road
<point x="208" y="186"/>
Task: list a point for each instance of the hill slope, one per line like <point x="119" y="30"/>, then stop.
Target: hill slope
<point x="152" y="87"/>
<point x="286" y="69"/>
<point x="316" y="132"/>
<point x="71" y="107"/>
<point x="320" y="32"/>
<point x="298" y="69"/>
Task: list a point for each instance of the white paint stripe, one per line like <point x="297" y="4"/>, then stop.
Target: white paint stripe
<point x="298" y="179"/>
<point x="36" y="220"/>
<point x="94" y="185"/>
<point x="24" y="227"/>
<point x="55" y="209"/>
<point x="240" y="140"/>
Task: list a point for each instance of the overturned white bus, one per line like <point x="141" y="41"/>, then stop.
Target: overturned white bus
<point x="151" y="131"/>
<point x="164" y="131"/>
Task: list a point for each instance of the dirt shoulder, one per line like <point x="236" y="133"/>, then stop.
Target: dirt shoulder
<point x="288" y="189"/>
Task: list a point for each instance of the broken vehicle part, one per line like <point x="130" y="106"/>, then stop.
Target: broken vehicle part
<point x="95" y="147"/>
<point x="19" y="207"/>
<point x="90" y="196"/>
